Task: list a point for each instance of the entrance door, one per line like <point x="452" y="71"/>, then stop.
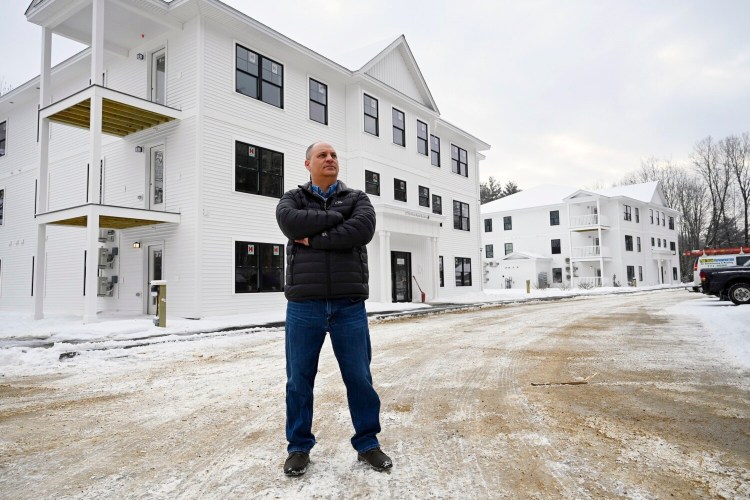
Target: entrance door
<point x="159" y="77"/>
<point x="155" y="264"/>
<point x="156" y="179"/>
<point x="401" y="276"/>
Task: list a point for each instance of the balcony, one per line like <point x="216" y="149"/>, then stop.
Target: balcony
<point x="591" y="252"/>
<point x="588" y="222"/>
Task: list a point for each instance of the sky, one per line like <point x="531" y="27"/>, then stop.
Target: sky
<point x="573" y="92"/>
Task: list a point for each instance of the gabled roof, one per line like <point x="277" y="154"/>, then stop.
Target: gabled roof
<point x="396" y="67"/>
<point x="538" y="196"/>
<point x="524" y="256"/>
<point x="646" y="192"/>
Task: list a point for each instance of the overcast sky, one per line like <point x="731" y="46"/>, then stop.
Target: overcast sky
<point x="568" y="92"/>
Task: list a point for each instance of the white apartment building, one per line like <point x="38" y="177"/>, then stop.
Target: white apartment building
<point x="160" y="152"/>
<point x="562" y="236"/>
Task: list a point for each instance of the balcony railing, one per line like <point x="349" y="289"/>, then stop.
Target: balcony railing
<point x="587" y="282"/>
<point x="588" y="220"/>
<point x="590" y="251"/>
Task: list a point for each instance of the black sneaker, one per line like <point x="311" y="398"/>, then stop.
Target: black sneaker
<point x="376" y="458"/>
<point x="296" y="463"/>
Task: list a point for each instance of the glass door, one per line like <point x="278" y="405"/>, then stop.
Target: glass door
<point x="401" y="276"/>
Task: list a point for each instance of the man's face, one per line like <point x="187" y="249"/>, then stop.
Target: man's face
<point x="323" y="165"/>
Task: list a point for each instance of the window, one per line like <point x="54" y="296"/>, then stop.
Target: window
<point x="508" y="248"/>
<point x="459" y="162"/>
<point x="437" y="204"/>
<point x="435" y="150"/>
<point x="489" y="251"/>
<point x="399" y="190"/>
<point x="658" y="242"/>
<point x="638" y="243"/>
<point x="487" y="225"/>
<point x="4" y="135"/>
<point x="258" y="267"/>
<point x="258" y="170"/>
<point x="664" y="243"/>
<point x="628" y="214"/>
<point x="651" y="214"/>
<point x="554" y="218"/>
<point x="442" y="275"/>
<point x="2" y="203"/>
<point x="460" y="215"/>
<point x="631" y="273"/>
<point x="674" y="274"/>
<point x="371" y="115"/>
<point x="657" y="218"/>
<point x="399" y="128"/>
<point x="424" y="196"/>
<point x="640" y="273"/>
<point x="672" y="246"/>
<point x="318" y="102"/>
<point x="637" y="215"/>
<point x="507" y="223"/>
<point x="556" y="246"/>
<point x="259" y="77"/>
<point x="628" y="243"/>
<point x="652" y="242"/>
<point x="557" y="275"/>
<point x="663" y="220"/>
<point x="463" y="271"/>
<point x="372" y="183"/>
<point x="671" y="223"/>
<point x="421" y="138"/>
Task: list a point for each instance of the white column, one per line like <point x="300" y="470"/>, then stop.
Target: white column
<point x="95" y="147"/>
<point x="97" y="42"/>
<point x="42" y="189"/>
<point x="92" y="266"/>
<point x="435" y="269"/>
<point x="385" y="268"/>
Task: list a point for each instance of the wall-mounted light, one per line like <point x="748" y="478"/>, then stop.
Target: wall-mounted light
<point x="136" y="244"/>
<point x="140" y="56"/>
<point x="139" y="149"/>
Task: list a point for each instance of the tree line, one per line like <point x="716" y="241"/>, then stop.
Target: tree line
<point x="711" y="192"/>
<point x="493" y="190"/>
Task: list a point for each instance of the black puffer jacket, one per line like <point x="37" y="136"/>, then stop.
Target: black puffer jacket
<point x="335" y="263"/>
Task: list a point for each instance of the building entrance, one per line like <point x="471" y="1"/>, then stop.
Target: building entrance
<point x="401" y="276"/>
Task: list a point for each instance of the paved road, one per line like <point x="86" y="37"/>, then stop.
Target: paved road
<point x="662" y="413"/>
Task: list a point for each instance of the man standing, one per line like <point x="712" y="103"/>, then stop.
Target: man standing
<point x="328" y="226"/>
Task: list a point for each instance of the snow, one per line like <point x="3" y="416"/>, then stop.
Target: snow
<point x="34" y="346"/>
<point x="642" y="192"/>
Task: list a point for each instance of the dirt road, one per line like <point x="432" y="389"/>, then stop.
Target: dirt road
<point x="663" y="413"/>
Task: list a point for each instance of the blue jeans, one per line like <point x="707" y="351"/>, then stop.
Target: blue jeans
<point x="306" y="325"/>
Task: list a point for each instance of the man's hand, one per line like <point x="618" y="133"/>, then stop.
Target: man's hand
<point x="303" y="241"/>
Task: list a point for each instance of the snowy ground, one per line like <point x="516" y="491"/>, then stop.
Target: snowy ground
<point x="143" y="412"/>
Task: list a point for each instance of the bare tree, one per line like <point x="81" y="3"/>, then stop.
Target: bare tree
<point x="5" y="87"/>
<point x="736" y="155"/>
<point x="708" y="160"/>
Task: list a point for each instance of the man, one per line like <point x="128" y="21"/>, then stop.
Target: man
<point x="328" y="226"/>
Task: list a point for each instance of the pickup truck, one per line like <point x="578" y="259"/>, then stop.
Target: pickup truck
<point x="729" y="283"/>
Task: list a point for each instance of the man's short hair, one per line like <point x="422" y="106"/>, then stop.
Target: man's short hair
<point x="309" y="149"/>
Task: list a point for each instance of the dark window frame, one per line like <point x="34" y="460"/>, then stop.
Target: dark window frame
<point x="260" y="251"/>
<point x="397" y="190"/>
<point x="260" y="77"/>
<point x="628" y="243"/>
<point x="460" y="271"/>
<point x="461" y="216"/>
<point x="508" y="223"/>
<point x="489" y="251"/>
<point x="488" y="225"/>
<point x="628" y="215"/>
<point x="375" y="117"/>
<point x="395" y="113"/>
<point x="372" y="184"/>
<point x="261" y="152"/>
<point x="315" y="100"/>
<point x="422" y="142"/>
<point x="2" y="206"/>
<point x="437" y="204"/>
<point x="638" y="243"/>
<point x="459" y="161"/>
<point x="508" y="248"/>
<point x="3" y="138"/>
<point x="557" y="276"/>
<point x="556" y="249"/>
<point x="554" y="217"/>
<point x="441" y="271"/>
<point x="424" y="196"/>
<point x="637" y="215"/>
<point x="630" y="273"/>
<point x="435" y="153"/>
<point x="671" y="222"/>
